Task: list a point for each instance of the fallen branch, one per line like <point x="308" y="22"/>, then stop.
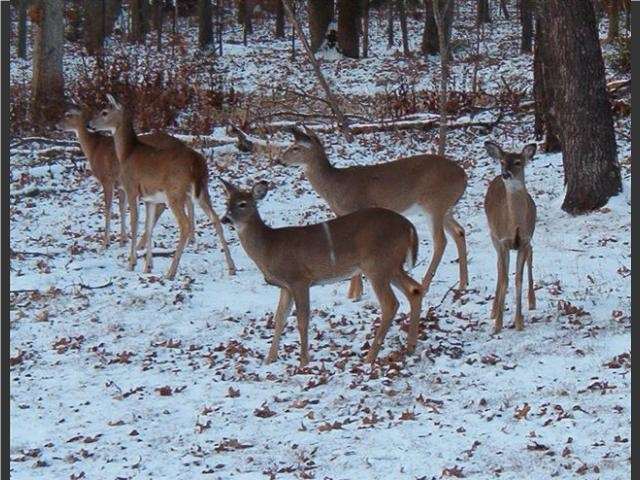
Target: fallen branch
<point x="14" y="253"/>
<point x="97" y="287"/>
<point x="54" y="141"/>
<point x="35" y="191"/>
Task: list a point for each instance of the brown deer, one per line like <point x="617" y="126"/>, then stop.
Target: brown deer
<point x="101" y="155"/>
<point x="431" y="182"/>
<point x="511" y="214"/>
<point x="155" y="175"/>
<point x="374" y="241"/>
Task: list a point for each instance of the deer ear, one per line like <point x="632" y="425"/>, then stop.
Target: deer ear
<point x="260" y="190"/>
<point x="113" y="101"/>
<point x="298" y="134"/>
<point x="529" y="151"/>
<point x="229" y="188"/>
<point x="494" y="150"/>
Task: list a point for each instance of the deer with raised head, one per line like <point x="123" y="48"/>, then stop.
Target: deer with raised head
<point x="430" y="182"/>
<point x="101" y="155"/>
<point x="511" y="215"/>
<point x="172" y="176"/>
<point x="373" y="241"/>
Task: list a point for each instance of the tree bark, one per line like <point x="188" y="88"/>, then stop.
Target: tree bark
<point x="402" y="12"/>
<point x="574" y="68"/>
<point x="348" y="31"/>
<point x="442" y="8"/>
<point x="139" y="20"/>
<point x="503" y="9"/>
<point x="320" y="13"/>
<point x="205" y="24"/>
<point x="158" y="20"/>
<point x="48" y="79"/>
<point x="390" y="31"/>
<point x="430" y="40"/>
<point x="613" y="11"/>
<point x="546" y="125"/>
<point x="526" y="19"/>
<point x="22" y="29"/>
<point x="484" y="15"/>
<point x="365" y="28"/>
<point x="94" y="25"/>
<point x="280" y="20"/>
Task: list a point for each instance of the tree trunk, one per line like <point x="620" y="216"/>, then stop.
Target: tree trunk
<point x="348" y="31"/>
<point x="430" y="39"/>
<point x="94" y="25"/>
<point x="219" y="24"/>
<point x="205" y="25"/>
<point x="139" y="26"/>
<point x="613" y="8"/>
<point x="113" y="8"/>
<point x="245" y="14"/>
<point x="280" y="20"/>
<point x="48" y="80"/>
<point x="390" y="24"/>
<point x="22" y="29"/>
<point x="484" y="15"/>
<point x="442" y="8"/>
<point x="526" y="19"/>
<point x="158" y="20"/>
<point x="503" y="9"/>
<point x="546" y="125"/>
<point x="320" y="13"/>
<point x="365" y="28"/>
<point x="575" y="72"/>
<point x="402" y="12"/>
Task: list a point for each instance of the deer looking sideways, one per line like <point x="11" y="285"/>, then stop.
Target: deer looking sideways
<point x="511" y="214"/>
<point x="170" y="176"/>
<point x="101" y="155"/>
<point x="373" y="241"/>
<point x="431" y="182"/>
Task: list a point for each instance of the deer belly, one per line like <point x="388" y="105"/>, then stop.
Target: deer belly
<point x="337" y="278"/>
<point x="155" y="197"/>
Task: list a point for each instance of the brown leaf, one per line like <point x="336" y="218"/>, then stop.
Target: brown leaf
<point x="522" y="411"/>
<point x="454" y="471"/>
<point x="264" y="411"/>
<point x="233" y="393"/>
<point x="407" y="415"/>
<point x="164" y="391"/>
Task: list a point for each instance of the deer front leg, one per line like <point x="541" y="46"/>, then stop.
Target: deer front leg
<point x="160" y="207"/>
<point x="301" y="297"/>
<point x="133" y="220"/>
<point x="355" y="288"/>
<point x="389" y="307"/>
<point x="522" y="257"/>
<point x="108" y="200"/>
<point x="439" y="245"/>
<point x="280" y="319"/>
<point x="122" y="208"/>
<point x="149" y="223"/>
<point x="501" y="290"/>
<point x="532" y="292"/>
<point x="177" y="207"/>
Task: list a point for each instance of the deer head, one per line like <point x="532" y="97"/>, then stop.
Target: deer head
<point x="306" y="150"/>
<point x="242" y="205"/>
<point x="512" y="163"/>
<point x="109" y="118"/>
<point x="72" y="120"/>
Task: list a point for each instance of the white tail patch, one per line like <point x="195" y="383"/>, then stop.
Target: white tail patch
<point x="327" y="233"/>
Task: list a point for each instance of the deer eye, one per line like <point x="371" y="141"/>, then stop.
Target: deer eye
<point x="242" y="204"/>
<point x="104" y="113"/>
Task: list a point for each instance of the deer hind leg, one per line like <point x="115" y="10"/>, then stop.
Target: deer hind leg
<point x="413" y="291"/>
<point x="122" y="208"/>
<point x="280" y="320"/>
<point x="205" y="204"/>
<point x="455" y="230"/>
<point x="439" y="244"/>
<point x="389" y="307"/>
<point x="501" y="288"/>
<point x="531" y="293"/>
<point x="522" y="257"/>
<point x="108" y="200"/>
<point x="192" y="220"/>
<point x="133" y="224"/>
<point x="355" y="288"/>
<point x="177" y="207"/>
<point x="149" y="224"/>
<point x="301" y="298"/>
<point x="160" y="207"/>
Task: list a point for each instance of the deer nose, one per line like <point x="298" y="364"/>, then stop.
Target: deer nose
<point x="226" y="220"/>
<point x="506" y="175"/>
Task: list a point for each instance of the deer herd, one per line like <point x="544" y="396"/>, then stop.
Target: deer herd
<point x="369" y="236"/>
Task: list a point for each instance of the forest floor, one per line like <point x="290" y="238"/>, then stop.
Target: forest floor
<point x="119" y="374"/>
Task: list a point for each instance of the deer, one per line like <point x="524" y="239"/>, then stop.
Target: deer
<point x="374" y="241"/>
<point x="100" y="152"/>
<point x="171" y="176"/>
<point x="511" y="216"/>
<point x="431" y="182"/>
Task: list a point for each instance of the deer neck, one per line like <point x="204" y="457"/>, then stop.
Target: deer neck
<point x="321" y="174"/>
<point x="516" y="197"/>
<point x="88" y="141"/>
<point x="125" y="139"/>
<point x="254" y="235"/>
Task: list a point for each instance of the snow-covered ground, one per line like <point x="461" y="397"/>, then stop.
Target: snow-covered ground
<point x="119" y="374"/>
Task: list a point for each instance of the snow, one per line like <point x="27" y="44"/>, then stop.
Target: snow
<point x="95" y="345"/>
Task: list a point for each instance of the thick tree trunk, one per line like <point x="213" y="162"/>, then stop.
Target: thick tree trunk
<point x="442" y="8"/>
<point x="48" y="79"/>
<point x="365" y="28"/>
<point x="94" y="25"/>
<point x="113" y="8"/>
<point x="139" y="20"/>
<point x="613" y="8"/>
<point x="348" y="28"/>
<point x="546" y="125"/>
<point x="390" y="30"/>
<point x="503" y="9"/>
<point x="280" y="20"/>
<point x="320" y="13"/>
<point x="402" y="12"/>
<point x="22" y="29"/>
<point x="526" y="19"/>
<point x="205" y="25"/>
<point x="484" y="15"/>
<point x="430" y="39"/>
<point x="575" y="72"/>
<point x="158" y="20"/>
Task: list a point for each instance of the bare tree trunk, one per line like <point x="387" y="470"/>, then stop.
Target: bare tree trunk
<point x="348" y="32"/>
<point x="205" y="25"/>
<point x="94" y="25"/>
<point x="365" y="28"/>
<point x="219" y="23"/>
<point x="342" y="120"/>
<point x="613" y="11"/>
<point x="546" y="126"/>
<point x="280" y="20"/>
<point x="575" y="72"/>
<point x="390" y="24"/>
<point x="440" y="11"/>
<point x="22" y="29"/>
<point x="503" y="9"/>
<point x="526" y="19"/>
<point x="430" y="41"/>
<point x="158" y="21"/>
<point x="484" y="14"/>
<point x="139" y="25"/>
<point x="48" y="79"/>
<point x="320" y="14"/>
<point x="403" y="26"/>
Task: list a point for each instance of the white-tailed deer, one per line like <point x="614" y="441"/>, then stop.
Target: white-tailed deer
<point x="101" y="155"/>
<point x="431" y="182"/>
<point x="374" y="241"/>
<point x="511" y="214"/>
<point x="155" y="175"/>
